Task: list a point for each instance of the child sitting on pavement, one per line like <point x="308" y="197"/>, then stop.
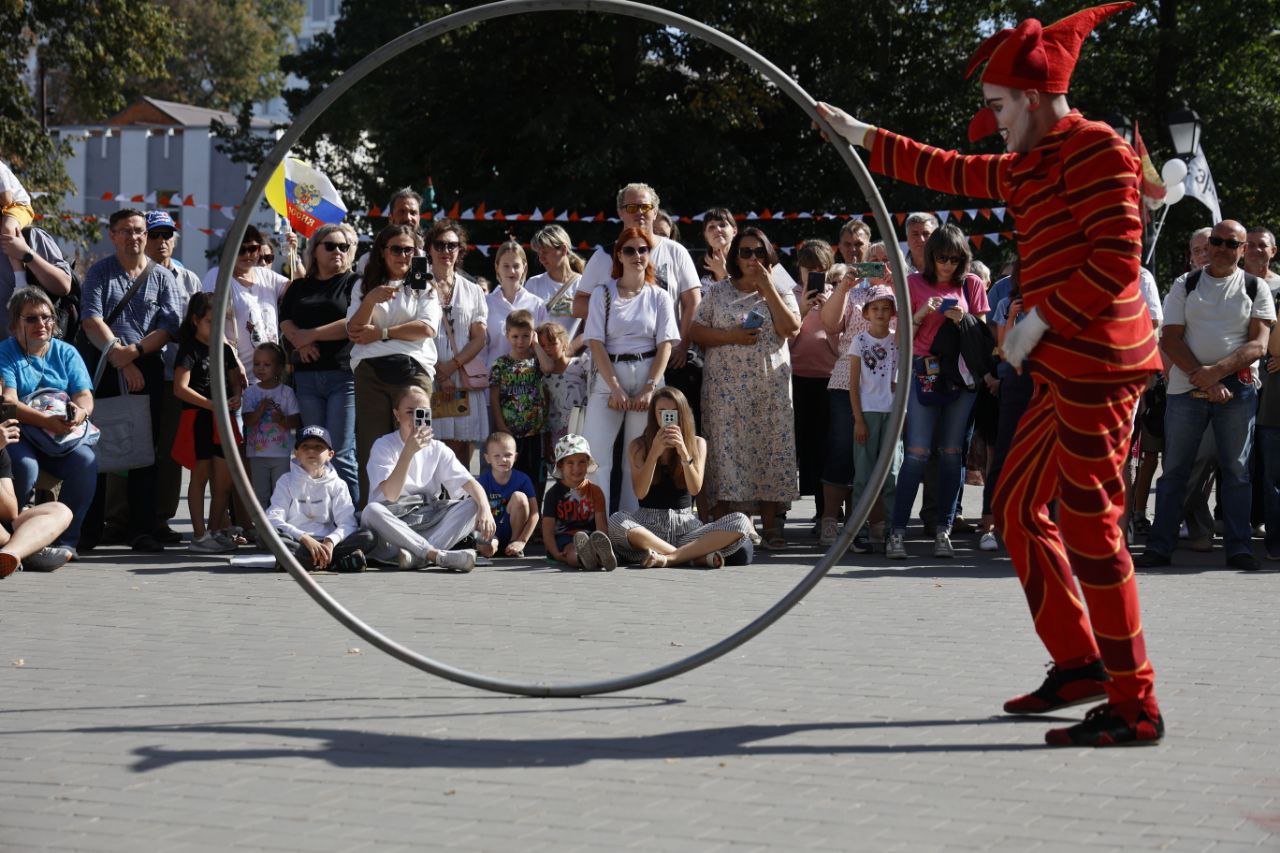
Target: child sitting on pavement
<point x="575" y="517"/>
<point x="311" y="509"/>
<point x="511" y="498"/>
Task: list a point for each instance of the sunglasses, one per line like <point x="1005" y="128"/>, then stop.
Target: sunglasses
<point x="1225" y="241"/>
<point x="402" y="251"/>
<point x="335" y="247"/>
<point x="632" y="251"/>
<point x="266" y="259"/>
<point x="948" y="259"/>
<point x="442" y="246"/>
<point x="250" y="248"/>
<point x="637" y="208"/>
<point x="38" y="320"/>
<point x="760" y="252"/>
<point x="160" y="235"/>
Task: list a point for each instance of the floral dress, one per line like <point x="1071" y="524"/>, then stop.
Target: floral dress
<point x="746" y="406"/>
<point x="565" y="392"/>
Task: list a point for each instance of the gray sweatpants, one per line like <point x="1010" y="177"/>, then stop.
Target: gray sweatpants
<point x="418" y="526"/>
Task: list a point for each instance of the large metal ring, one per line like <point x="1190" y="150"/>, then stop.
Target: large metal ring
<point x="377" y="59"/>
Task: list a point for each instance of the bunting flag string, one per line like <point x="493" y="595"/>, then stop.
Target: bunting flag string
<point x="995" y="237"/>
<point x="483" y="213"/>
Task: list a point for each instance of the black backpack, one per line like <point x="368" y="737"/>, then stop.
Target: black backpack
<point x="66" y="308"/>
<point x="1250" y="283"/>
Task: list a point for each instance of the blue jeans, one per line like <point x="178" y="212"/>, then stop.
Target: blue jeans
<point x="943" y="427"/>
<point x="78" y="471"/>
<point x="1269" y="439"/>
<point x="1186" y="419"/>
<point x="328" y="398"/>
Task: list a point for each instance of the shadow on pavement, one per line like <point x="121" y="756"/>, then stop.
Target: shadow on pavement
<point x="365" y="749"/>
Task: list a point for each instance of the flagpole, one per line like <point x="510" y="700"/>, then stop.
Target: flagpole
<point x="1155" y="239"/>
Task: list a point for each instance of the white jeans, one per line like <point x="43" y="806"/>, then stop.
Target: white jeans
<point x="602" y="425"/>
<point x="449" y="521"/>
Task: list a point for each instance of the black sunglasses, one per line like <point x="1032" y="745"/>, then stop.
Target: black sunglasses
<point x="335" y="247"/>
<point x="1225" y="241"/>
<point x="250" y="248"/>
<point x="759" y="251"/>
<point x="442" y="246"/>
<point x="402" y="251"/>
<point x="632" y="251"/>
<point x="948" y="259"/>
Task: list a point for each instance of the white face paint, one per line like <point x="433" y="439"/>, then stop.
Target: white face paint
<point x="1013" y="116"/>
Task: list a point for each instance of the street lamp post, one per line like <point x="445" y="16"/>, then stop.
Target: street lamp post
<point x="1184" y="127"/>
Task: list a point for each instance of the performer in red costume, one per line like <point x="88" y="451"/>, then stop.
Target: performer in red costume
<point x="1072" y="187"/>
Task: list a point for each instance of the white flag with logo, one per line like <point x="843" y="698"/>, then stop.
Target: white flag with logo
<point x="1200" y="186"/>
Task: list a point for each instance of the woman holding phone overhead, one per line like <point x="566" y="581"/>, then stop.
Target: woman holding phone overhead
<point x="944" y="291"/>
<point x="391" y="322"/>
<point x="743" y="324"/>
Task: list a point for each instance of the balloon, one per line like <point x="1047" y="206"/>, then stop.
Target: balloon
<point x="1173" y="172"/>
<point x="1175" y="193"/>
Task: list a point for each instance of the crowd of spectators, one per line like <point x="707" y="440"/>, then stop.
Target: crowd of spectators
<point x="640" y="406"/>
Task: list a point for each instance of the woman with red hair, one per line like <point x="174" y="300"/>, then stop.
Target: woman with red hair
<point x="631" y="327"/>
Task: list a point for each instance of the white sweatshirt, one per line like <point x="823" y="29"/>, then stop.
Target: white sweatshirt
<point x="317" y="506"/>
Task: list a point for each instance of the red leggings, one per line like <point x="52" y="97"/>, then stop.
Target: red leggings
<point x="1070" y="447"/>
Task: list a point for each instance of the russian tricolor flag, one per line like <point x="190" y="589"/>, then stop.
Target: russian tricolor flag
<point x="304" y="196"/>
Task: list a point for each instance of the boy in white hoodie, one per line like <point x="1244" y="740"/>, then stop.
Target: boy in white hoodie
<point x="311" y="509"/>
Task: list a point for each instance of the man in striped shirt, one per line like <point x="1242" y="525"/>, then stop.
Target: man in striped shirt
<point x="1072" y="187"/>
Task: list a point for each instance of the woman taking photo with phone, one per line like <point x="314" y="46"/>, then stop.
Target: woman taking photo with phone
<point x="937" y="413"/>
<point x="391" y="325"/>
<point x="313" y="319"/>
<point x="461" y="366"/>
<point x="667" y="465"/>
<point x="743" y="325"/>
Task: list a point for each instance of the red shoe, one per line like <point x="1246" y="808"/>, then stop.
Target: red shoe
<point x="1063" y="688"/>
<point x="1104" y="726"/>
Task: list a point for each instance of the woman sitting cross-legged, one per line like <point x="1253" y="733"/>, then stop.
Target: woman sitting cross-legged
<point x="667" y="464"/>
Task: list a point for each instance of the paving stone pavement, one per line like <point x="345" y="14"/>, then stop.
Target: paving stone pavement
<point x="177" y="703"/>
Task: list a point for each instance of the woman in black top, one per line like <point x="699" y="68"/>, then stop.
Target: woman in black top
<point x="313" y="318"/>
<point x="667" y="464"/>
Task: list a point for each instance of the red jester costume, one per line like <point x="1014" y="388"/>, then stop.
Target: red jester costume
<point x="1072" y="188"/>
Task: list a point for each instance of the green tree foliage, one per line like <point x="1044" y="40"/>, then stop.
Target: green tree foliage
<point x="228" y="52"/>
<point x="83" y="52"/>
<point x="558" y="109"/>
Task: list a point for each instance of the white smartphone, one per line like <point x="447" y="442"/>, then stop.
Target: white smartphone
<point x="670" y="417"/>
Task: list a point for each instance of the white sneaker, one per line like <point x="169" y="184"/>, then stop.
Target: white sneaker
<point x="587" y="560"/>
<point x="607" y="560"/>
<point x="830" y="532"/>
<point x="459" y="561"/>
<point x="894" y="548"/>
<point x="988" y="542"/>
<point x="210" y="544"/>
<point x="406" y="561"/>
<point x="942" y="545"/>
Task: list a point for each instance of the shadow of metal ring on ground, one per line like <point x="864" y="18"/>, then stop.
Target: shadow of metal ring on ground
<point x="371" y="63"/>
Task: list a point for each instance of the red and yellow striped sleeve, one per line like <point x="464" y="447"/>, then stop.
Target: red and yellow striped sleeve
<point x="1100" y="189"/>
<point x="973" y="175"/>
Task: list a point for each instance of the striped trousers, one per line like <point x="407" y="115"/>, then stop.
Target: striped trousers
<point x="1069" y="448"/>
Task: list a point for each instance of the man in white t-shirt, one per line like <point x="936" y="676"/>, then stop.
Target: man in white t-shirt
<point x="1216" y="325"/>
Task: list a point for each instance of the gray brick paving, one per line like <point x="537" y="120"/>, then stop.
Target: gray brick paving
<point x="184" y="704"/>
